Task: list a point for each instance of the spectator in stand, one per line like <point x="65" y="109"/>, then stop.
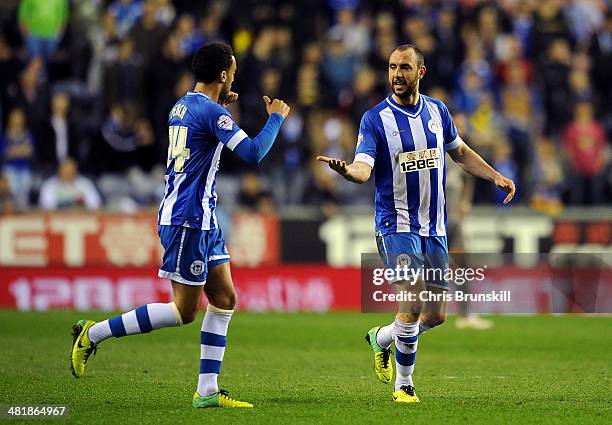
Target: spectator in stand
<point x="585" y="17"/>
<point x="60" y="122"/>
<point x="17" y="150"/>
<point x="7" y="200"/>
<point x="260" y="57"/>
<point x="284" y="52"/>
<point x="554" y="74"/>
<point x="365" y="95"/>
<point x="10" y="68"/>
<point x="104" y="45"/>
<point x="488" y="30"/>
<point x="385" y="41"/>
<point x="165" y="12"/>
<point x="449" y="48"/>
<point x="42" y="24"/>
<point x="148" y="35"/>
<point x="129" y="140"/>
<point x="32" y="97"/>
<point x="509" y="56"/>
<point x="354" y="34"/>
<point x="190" y="38"/>
<point x="584" y="142"/>
<point x="339" y="64"/>
<point x="522" y="19"/>
<point x="253" y="197"/>
<point x="310" y="79"/>
<point x="210" y="25"/>
<point x="548" y="174"/>
<point x="517" y="106"/>
<point x="126" y="13"/>
<point x="473" y="81"/>
<point x="123" y="77"/>
<point x="549" y="25"/>
<point x="69" y="190"/>
<point x="487" y="127"/>
<point x="600" y="51"/>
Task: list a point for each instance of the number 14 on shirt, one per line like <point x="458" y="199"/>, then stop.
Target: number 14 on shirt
<point x="176" y="147"/>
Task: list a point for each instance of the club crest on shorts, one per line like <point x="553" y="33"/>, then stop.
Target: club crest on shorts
<point x="434" y="126"/>
<point x="197" y="268"/>
<point x="225" y="122"/>
<point x="404" y="260"/>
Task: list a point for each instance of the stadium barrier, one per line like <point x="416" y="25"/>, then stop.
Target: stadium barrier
<point x="122" y="240"/>
<point x="291" y="288"/>
<point x="103" y="261"/>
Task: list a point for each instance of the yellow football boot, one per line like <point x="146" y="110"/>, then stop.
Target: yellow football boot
<point x="405" y="395"/>
<point x="382" y="365"/>
<point x="82" y="347"/>
<point x="218" y="399"/>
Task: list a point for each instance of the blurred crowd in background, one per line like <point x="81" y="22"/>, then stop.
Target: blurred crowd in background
<point x="86" y="87"/>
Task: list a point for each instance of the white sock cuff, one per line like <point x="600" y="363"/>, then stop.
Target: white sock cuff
<point x="406" y="330"/>
<point x="216" y="320"/>
<point x="218" y="310"/>
<point x="177" y="314"/>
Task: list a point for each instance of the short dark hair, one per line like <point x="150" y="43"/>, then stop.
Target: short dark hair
<point x="420" y="57"/>
<point x="210" y="60"/>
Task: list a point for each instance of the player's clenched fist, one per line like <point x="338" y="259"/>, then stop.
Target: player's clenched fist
<point x="335" y="164"/>
<point x="277" y="106"/>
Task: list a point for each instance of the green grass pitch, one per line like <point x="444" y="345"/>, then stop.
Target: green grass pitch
<point x="316" y="368"/>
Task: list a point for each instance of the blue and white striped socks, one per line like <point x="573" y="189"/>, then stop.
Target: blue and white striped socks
<point x="213" y="341"/>
<point x="386" y="334"/>
<point x="141" y="320"/>
<point x="406" y="342"/>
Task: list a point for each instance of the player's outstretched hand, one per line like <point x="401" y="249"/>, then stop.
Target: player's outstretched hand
<point x="338" y="165"/>
<point x="507" y="186"/>
<point x="231" y="98"/>
<point x="277" y="106"/>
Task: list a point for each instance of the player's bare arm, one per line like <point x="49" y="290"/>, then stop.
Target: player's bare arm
<point x="357" y="172"/>
<point x="473" y="163"/>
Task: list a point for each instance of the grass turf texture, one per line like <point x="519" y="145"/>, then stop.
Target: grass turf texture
<point x="316" y="368"/>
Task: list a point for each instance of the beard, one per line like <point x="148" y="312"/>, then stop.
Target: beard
<point x="405" y="90"/>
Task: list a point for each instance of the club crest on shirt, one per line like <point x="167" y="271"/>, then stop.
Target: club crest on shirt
<point x="434" y="126"/>
<point x="197" y="268"/>
<point x="359" y="139"/>
<point x="225" y="122"/>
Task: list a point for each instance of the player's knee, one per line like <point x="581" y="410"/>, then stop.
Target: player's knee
<point x="434" y="319"/>
<point x="225" y="300"/>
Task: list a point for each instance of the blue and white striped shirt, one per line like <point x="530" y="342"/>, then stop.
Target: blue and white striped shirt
<point x="406" y="146"/>
<point x="198" y="130"/>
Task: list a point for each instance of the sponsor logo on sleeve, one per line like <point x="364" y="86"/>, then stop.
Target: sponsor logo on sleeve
<point x="225" y="122"/>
